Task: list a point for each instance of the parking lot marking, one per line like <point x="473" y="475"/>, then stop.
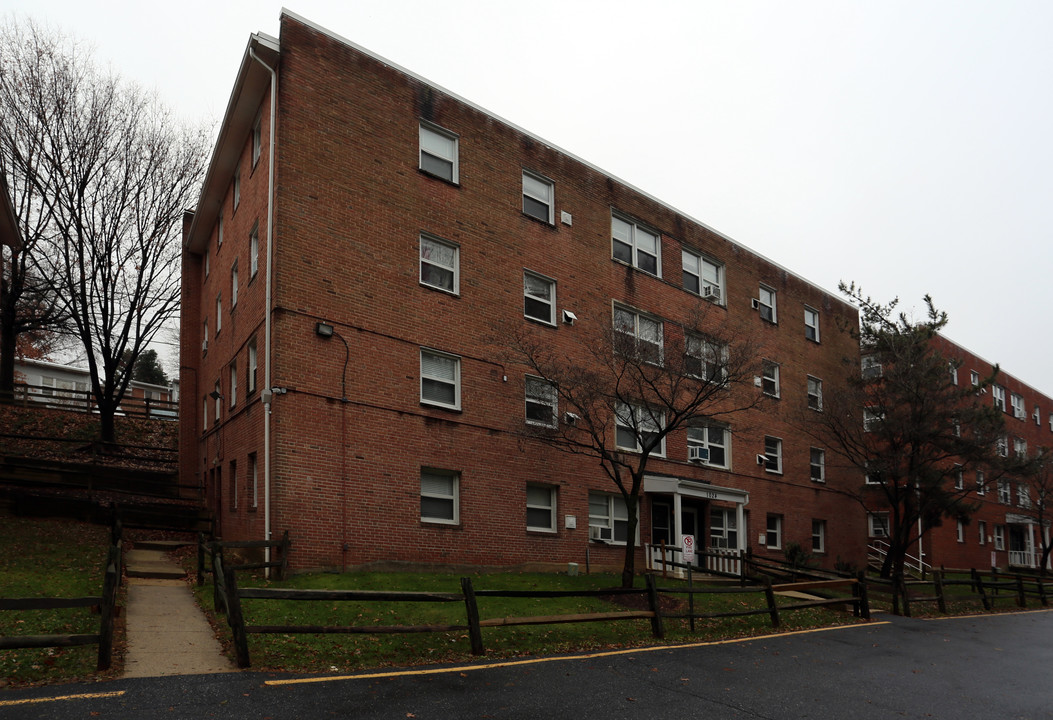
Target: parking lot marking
<point x="57" y="698"/>
<point x="535" y="661"/>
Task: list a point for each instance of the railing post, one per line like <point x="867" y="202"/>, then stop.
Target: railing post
<point x="235" y="618"/>
<point x="475" y="633"/>
<point x="109" y="598"/>
<point x="983" y="591"/>
<point x="652" y="596"/>
<point x="864" y="595"/>
<point x="690" y="599"/>
<point x="937" y="579"/>
<point x="283" y="569"/>
<point x="1021" y="598"/>
<point x="200" y="559"/>
<point x="773" y="609"/>
<point x="1042" y="592"/>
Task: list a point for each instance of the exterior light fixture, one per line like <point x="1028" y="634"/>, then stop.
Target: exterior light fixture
<point x="323" y="330"/>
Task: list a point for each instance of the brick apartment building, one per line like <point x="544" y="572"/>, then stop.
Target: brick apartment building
<point x="1004" y="531"/>
<point x="360" y="235"/>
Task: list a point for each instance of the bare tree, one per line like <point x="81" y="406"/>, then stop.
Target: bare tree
<point x="906" y="423"/>
<point x="105" y="171"/>
<point x="617" y="391"/>
<point x="1039" y="479"/>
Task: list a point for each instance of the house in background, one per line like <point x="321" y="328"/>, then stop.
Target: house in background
<point x="63" y="386"/>
<point x="359" y="235"/>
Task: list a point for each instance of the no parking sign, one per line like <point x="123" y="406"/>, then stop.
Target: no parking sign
<point x="688" y="543"/>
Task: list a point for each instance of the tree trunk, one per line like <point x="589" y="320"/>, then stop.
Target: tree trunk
<point x="629" y="567"/>
<point x="7" y="359"/>
<point x="107" y="425"/>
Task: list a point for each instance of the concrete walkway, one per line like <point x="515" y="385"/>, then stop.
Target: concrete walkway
<point x="166" y="631"/>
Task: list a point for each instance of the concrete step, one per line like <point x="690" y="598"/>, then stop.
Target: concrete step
<point x="140" y="563"/>
<point x="162" y="545"/>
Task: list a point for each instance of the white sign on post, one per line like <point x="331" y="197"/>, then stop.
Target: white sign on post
<point x="688" y="543"/>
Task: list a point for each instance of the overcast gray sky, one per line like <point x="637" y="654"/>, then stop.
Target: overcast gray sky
<point x="907" y="146"/>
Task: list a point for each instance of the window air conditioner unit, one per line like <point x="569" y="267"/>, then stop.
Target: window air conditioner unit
<point x="698" y="454"/>
<point x="602" y="534"/>
<point x="1019" y="414"/>
<point x="762" y="459"/>
<point x="755" y="302"/>
<point x="710" y="293"/>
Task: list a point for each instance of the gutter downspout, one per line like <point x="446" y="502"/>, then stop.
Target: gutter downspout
<point x="267" y="395"/>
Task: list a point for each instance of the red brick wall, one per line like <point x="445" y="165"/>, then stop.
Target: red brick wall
<point x="351" y="206"/>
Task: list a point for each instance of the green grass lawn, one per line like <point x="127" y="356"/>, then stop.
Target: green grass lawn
<point x="347" y="652"/>
<point x="49" y="558"/>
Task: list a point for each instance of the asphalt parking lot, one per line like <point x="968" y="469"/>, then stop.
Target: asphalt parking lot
<point x="987" y="666"/>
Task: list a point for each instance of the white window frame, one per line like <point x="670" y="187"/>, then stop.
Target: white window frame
<point x="237" y="188"/>
<point x="953" y="368"/>
<point x="702" y="436"/>
<point x="219" y="312"/>
<point x="773" y="532"/>
<point x="1017" y="402"/>
<point x="870" y="367"/>
<point x="1002" y="445"/>
<point x="702" y="276"/>
<point x="981" y="526"/>
<point x="767" y="304"/>
<point x="233" y="382"/>
<point x="1005" y="492"/>
<point x="723" y="528"/>
<point x="1023" y="495"/>
<point x="549" y="506"/>
<point x="711" y="357"/>
<point x="811" y="324"/>
<point x="999" y="537"/>
<point x="451" y="270"/>
<point x="773" y="454"/>
<point x="539" y="393"/>
<point x="633" y="323"/>
<point x="532" y="298"/>
<point x="960" y="529"/>
<point x="872" y="477"/>
<point x="442" y="147"/>
<point x="1020" y="448"/>
<point x="254" y="250"/>
<point x="257" y="137"/>
<point x="998" y="395"/>
<point x="815" y="393"/>
<point x="878" y="524"/>
<point x="959" y="479"/>
<point x="219" y="231"/>
<point x="218" y="401"/>
<point x="455" y="382"/>
<point x="234" y="285"/>
<point x="819" y="536"/>
<point x="981" y="484"/>
<point x="532" y="185"/>
<point x="770" y="379"/>
<point x="817" y="464"/>
<point x="637" y="420"/>
<point x="251" y="367"/>
<point x="627" y="244"/>
<point x="608" y="512"/>
<point x="974" y="378"/>
<point x="452" y="497"/>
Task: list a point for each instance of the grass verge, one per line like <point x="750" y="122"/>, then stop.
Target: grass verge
<point x="50" y="558"/>
<point x="351" y="652"/>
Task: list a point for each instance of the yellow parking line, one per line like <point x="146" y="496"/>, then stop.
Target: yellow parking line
<point x="990" y="614"/>
<point x="535" y="661"/>
<point x="85" y="696"/>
